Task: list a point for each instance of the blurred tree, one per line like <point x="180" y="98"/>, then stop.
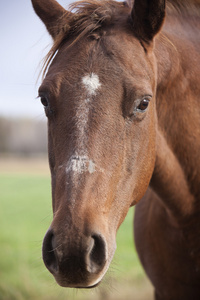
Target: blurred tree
<point x="23" y="136"/>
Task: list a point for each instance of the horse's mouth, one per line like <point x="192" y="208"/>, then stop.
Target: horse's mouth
<point x="90" y="287"/>
<point x="75" y="286"/>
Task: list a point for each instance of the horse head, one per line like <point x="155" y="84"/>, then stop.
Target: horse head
<point x="99" y="97"/>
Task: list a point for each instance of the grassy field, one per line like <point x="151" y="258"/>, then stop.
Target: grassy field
<point x="25" y="215"/>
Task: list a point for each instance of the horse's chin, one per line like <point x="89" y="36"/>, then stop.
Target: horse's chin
<point x="77" y="286"/>
<point x="90" y="287"/>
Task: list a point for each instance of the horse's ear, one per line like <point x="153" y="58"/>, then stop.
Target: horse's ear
<point x="52" y="14"/>
<point x="147" y="18"/>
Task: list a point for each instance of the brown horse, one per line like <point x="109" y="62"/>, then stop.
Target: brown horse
<point x="122" y="101"/>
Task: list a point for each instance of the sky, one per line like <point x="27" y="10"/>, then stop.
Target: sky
<point x="24" y="42"/>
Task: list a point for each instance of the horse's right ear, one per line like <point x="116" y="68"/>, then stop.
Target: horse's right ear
<point x="52" y="14"/>
<point x="147" y="17"/>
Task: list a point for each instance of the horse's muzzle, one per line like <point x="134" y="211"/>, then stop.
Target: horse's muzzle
<point x="76" y="261"/>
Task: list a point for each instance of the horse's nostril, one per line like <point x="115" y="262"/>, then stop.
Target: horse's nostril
<point x="48" y="252"/>
<point x="96" y="257"/>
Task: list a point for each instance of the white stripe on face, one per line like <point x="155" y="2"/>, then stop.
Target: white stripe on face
<point x="80" y="162"/>
<point x="91" y="83"/>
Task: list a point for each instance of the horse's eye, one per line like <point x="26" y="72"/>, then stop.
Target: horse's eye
<point x="44" y="101"/>
<point x="143" y="105"/>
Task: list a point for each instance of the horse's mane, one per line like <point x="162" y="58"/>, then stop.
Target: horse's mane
<point x="184" y="3"/>
<point x="184" y="7"/>
<point x="90" y="15"/>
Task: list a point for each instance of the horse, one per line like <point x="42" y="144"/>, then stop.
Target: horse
<point x="121" y="94"/>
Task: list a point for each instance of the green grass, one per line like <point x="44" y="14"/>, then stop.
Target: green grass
<point x="25" y="215"/>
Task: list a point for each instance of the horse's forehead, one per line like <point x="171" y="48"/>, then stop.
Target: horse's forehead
<point x="87" y="64"/>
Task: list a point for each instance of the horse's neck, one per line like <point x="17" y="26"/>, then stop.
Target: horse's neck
<point x="176" y="177"/>
<point x="177" y="174"/>
<point x="169" y="180"/>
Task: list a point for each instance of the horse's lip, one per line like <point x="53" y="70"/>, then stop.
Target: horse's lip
<point x="63" y="284"/>
<point x="90" y="287"/>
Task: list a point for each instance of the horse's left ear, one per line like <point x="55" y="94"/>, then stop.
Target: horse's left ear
<point x="53" y="15"/>
<point x="147" y="18"/>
